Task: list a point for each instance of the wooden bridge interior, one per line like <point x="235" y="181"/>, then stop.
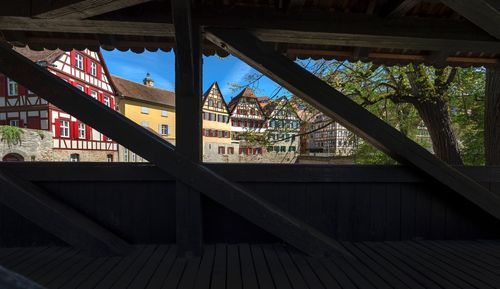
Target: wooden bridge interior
<point x="180" y="223"/>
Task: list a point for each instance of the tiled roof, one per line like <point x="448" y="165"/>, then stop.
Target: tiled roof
<point x="43" y="55"/>
<point x="140" y="92"/>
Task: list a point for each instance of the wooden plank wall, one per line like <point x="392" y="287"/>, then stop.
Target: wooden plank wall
<point x="137" y="202"/>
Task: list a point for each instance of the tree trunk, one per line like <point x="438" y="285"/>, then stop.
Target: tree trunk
<point x="435" y="115"/>
<point x="492" y="117"/>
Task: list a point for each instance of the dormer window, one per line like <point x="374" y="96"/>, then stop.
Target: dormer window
<point x="79" y="61"/>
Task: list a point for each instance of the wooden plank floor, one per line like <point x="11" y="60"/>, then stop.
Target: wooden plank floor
<point x="423" y="264"/>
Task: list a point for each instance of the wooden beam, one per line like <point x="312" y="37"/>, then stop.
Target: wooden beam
<point x="416" y="34"/>
<point x="156" y="150"/>
<point x="12" y="280"/>
<point x="11" y="23"/>
<point x="188" y="85"/>
<point x="484" y="13"/>
<point x="349" y="114"/>
<point x="398" y="8"/>
<point x="79" y="9"/>
<point x="57" y="218"/>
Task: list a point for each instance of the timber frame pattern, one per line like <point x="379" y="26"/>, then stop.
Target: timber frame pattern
<point x="247" y="40"/>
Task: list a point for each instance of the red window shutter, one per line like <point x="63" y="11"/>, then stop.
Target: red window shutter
<point x="112" y="102"/>
<point x="21" y="90"/>
<point x="21" y="123"/>
<point x="99" y="71"/>
<point x="100" y="97"/>
<point x="86" y="66"/>
<point x="57" y="127"/>
<point x="3" y="85"/>
<point x="72" y="57"/>
<point x="104" y="138"/>
<point x="88" y="132"/>
<point x="73" y="130"/>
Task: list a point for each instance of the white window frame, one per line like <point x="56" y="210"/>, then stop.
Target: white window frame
<point x="144" y="110"/>
<point x="145" y="123"/>
<point x="93" y="68"/>
<point x="164" y="113"/>
<point x="82" y="132"/>
<point x="12" y="88"/>
<point x="107" y="100"/>
<point x="125" y="155"/>
<point x="93" y="93"/>
<point x="64" y="128"/>
<point x="164" y="129"/>
<point x="109" y="158"/>
<point x="79" y="61"/>
<point x="80" y="87"/>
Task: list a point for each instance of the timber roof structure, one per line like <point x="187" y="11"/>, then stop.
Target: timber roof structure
<point x="110" y="209"/>
<point x="382" y="31"/>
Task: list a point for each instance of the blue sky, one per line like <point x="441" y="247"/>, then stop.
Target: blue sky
<point x="161" y="65"/>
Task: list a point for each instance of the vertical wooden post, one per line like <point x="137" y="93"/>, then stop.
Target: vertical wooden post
<point x="188" y="86"/>
<point x="492" y="117"/>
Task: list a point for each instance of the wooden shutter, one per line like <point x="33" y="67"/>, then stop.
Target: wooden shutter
<point x="73" y="130"/>
<point x="57" y="127"/>
<point x="88" y="132"/>
<point x="112" y="102"/>
<point x="72" y="58"/>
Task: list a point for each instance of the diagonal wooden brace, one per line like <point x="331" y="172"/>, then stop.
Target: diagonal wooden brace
<point x="58" y="218"/>
<point x="152" y="147"/>
<point x="349" y="114"/>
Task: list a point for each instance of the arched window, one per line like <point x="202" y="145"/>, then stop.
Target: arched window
<point x="13" y="157"/>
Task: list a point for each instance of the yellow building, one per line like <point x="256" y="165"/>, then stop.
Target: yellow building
<point x="216" y="125"/>
<point x="148" y="106"/>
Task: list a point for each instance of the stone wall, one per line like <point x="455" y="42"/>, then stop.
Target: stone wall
<point x="37" y="145"/>
<point x="211" y="155"/>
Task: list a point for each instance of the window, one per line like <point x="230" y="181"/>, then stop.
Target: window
<point x="164" y="113"/>
<point x="14" y="122"/>
<point x="74" y="157"/>
<point x="107" y="101"/>
<point x="64" y="128"/>
<point x="80" y="87"/>
<point x="145" y="110"/>
<point x="144" y="123"/>
<point x="222" y="150"/>
<point x="164" y="129"/>
<point x="81" y="131"/>
<point x="125" y="155"/>
<point x="291" y="148"/>
<point x="109" y="158"/>
<point x="11" y="87"/>
<point x="93" y="68"/>
<point x="93" y="93"/>
<point x="230" y="150"/>
<point x="79" y="61"/>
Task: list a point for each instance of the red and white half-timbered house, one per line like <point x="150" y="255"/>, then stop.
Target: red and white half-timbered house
<point x="72" y="139"/>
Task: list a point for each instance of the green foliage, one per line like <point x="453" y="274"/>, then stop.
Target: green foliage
<point x="11" y="135"/>
<point x="367" y="154"/>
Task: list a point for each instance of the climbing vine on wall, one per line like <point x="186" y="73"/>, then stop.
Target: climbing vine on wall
<point x="11" y="135"/>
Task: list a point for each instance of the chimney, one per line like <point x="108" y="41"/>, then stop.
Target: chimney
<point x="148" y="80"/>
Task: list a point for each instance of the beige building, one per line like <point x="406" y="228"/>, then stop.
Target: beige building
<point x="151" y="107"/>
<point x="216" y="125"/>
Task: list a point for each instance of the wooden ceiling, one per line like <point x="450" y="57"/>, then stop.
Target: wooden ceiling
<point x="446" y="32"/>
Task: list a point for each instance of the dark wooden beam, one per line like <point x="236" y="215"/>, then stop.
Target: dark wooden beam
<point x="57" y="218"/>
<point x="341" y="30"/>
<point x="79" y="9"/>
<point x="349" y="114"/>
<point x="484" y="13"/>
<point x="156" y="150"/>
<point x="12" y="280"/>
<point x="398" y="8"/>
<point x="188" y="85"/>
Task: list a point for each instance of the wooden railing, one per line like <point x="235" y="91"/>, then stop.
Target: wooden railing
<point x="137" y="202"/>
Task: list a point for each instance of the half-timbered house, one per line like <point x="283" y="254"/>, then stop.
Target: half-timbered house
<point x="73" y="140"/>
<point x="283" y="126"/>
<point x="248" y="122"/>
